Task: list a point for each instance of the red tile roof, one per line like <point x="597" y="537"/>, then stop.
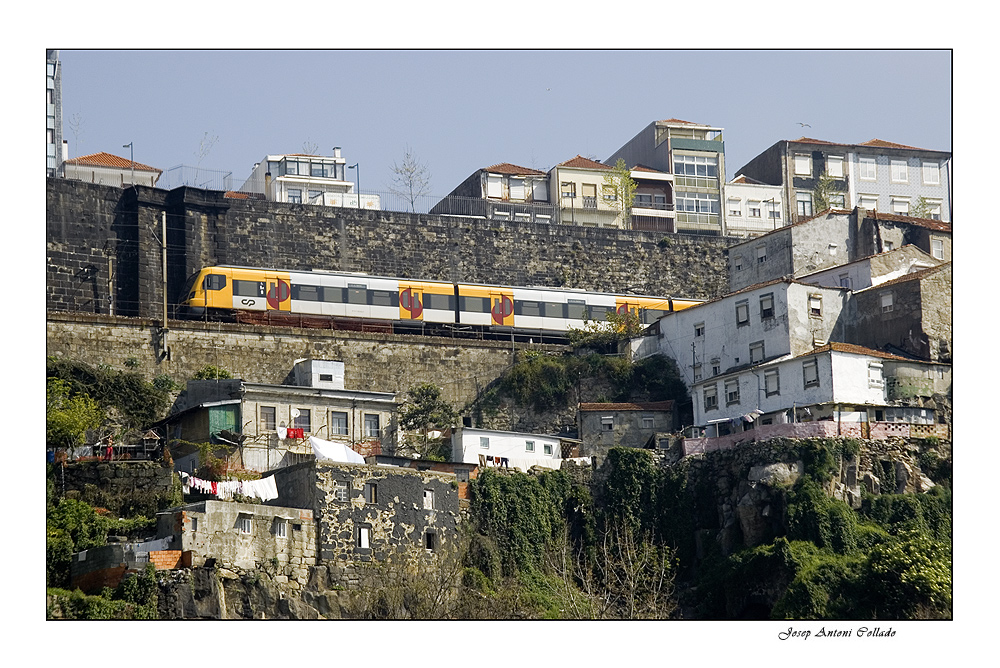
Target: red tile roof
<point x="508" y="168"/>
<point x="810" y="140"/>
<point x="644" y="168"/>
<point x="585" y="163"/>
<point x="836" y="346"/>
<point x="108" y="160"/>
<point x="929" y="223"/>
<point x="881" y="143"/>
<point x="629" y="406"/>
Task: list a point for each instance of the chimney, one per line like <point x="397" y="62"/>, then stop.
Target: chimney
<point x="65" y="150"/>
<point x="336" y="151"/>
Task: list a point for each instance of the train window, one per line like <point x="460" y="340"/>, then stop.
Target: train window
<point x="600" y="313"/>
<point x="576" y="310"/>
<point x="384" y="298"/>
<point x="553" y="310"/>
<point x="248" y="288"/>
<point x="528" y="308"/>
<point x="440" y="302"/>
<point x="333" y="295"/>
<point x="309" y="293"/>
<point x="215" y="282"/>
<point x="475" y="304"/>
<point x="357" y="294"/>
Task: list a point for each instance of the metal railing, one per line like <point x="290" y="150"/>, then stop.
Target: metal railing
<point x="195" y="177"/>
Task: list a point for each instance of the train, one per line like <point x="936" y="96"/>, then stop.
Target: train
<point x="404" y="303"/>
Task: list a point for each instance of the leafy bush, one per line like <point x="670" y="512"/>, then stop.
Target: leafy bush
<point x="211" y="372"/>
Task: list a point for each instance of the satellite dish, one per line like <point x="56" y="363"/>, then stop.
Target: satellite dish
<point x="434" y="434"/>
<point x="295" y="412"/>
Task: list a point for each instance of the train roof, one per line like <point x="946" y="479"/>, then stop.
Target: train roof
<point x="469" y="283"/>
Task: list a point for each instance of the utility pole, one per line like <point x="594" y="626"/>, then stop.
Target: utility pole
<point x="163" y="248"/>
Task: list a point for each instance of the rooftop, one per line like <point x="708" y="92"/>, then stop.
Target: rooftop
<point x="109" y="160"/>
<point x="508" y="168"/>
<point x="586" y="163"/>
<point x="629" y="406"/>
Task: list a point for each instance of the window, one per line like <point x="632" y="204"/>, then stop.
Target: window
<point x="937" y="248"/>
<point x="816" y="306"/>
<point x="295" y="195"/>
<point x="303" y="421"/>
<point x="898" y="171"/>
<point x="340" y="491"/>
<point x="772" y="382"/>
<point x="901" y="206"/>
<point x="428" y="499"/>
<point x="249" y="288"/>
<point x="529" y="446"/>
<point x="699" y="330"/>
<point x="281" y="529"/>
<point x="804" y="203"/>
<point x="738" y="263"/>
<point x="589" y="195"/>
<point x="484" y="442"/>
<point x="309" y="293"/>
<point x="761" y="254"/>
<point x="716" y="367"/>
<point x="710" y="397"/>
<point x="887" y="246"/>
<point x="215" y="282"/>
<point x="931" y="173"/>
<point x="316" y="195"/>
<point x="546" y="448"/>
<point x="648" y="422"/>
<point x="886" y="301"/>
<point x="835" y="166"/>
<point x="869" y="202"/>
<point x="371" y="492"/>
<point x="697" y="202"/>
<point x="363" y="538"/>
<point x="753" y="208"/>
<point x="267" y="418"/>
<point x="766" y="306"/>
<point x="611" y="196"/>
<point x="733" y="205"/>
<point x="568" y="189"/>
<point x="837" y="201"/>
<point x="732" y="392"/>
<point x="338" y="423"/>
<point x="194" y="520"/>
<point x="803" y="164"/>
<point x="742" y="313"/>
<point x="757" y="352"/>
<point x="933" y="209"/>
<point x="810" y="373"/>
<point x="697" y="372"/>
<point x="691" y="165"/>
<point x="773" y="212"/>
<point x="845" y="281"/>
<point x="875" y="374"/>
<point x="430" y="541"/>
<point x="246" y="525"/>
<point x="371" y="426"/>
<point x="607" y="423"/>
<point x="866" y="165"/>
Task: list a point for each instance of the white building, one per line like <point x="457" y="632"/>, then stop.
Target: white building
<point x="751" y="208"/>
<point x="842" y="383"/>
<point x="110" y="170"/>
<point x="746" y="328"/>
<point x="298" y="178"/>
<point x="506" y="449"/>
<point x="874" y="269"/>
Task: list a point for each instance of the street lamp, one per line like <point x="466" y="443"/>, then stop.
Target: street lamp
<point x="131" y="159"/>
<point x="357" y="167"/>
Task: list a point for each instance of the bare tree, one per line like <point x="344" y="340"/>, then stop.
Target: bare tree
<point x="410" y="178"/>
<point x="76" y="127"/>
<point x="309" y="147"/>
<point x="204" y="148"/>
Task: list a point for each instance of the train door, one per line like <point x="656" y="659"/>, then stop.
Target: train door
<point x="279" y="292"/>
<point x="411" y="303"/>
<point x="501" y="308"/>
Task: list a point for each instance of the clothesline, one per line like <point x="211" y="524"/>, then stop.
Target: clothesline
<point x="264" y="489"/>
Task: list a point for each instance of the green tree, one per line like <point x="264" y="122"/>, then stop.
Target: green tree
<point x="211" y="372"/>
<point x="425" y="410"/>
<point x="823" y="192"/>
<point x="619" y="191"/>
<point x="68" y="416"/>
<point x="605" y="336"/>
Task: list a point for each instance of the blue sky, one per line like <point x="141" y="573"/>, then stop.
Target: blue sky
<point x="461" y="110"/>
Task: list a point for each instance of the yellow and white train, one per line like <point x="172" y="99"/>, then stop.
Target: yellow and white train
<point x="399" y="301"/>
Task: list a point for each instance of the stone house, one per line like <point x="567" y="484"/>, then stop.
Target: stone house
<point x="694" y="154"/>
<point x="270" y="423"/>
<point x="877" y="175"/>
<point x="364" y="512"/>
<point x="911" y="314"/>
<point x="831" y="239"/>
<point x="463" y="471"/>
<point x="602" y="426"/>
